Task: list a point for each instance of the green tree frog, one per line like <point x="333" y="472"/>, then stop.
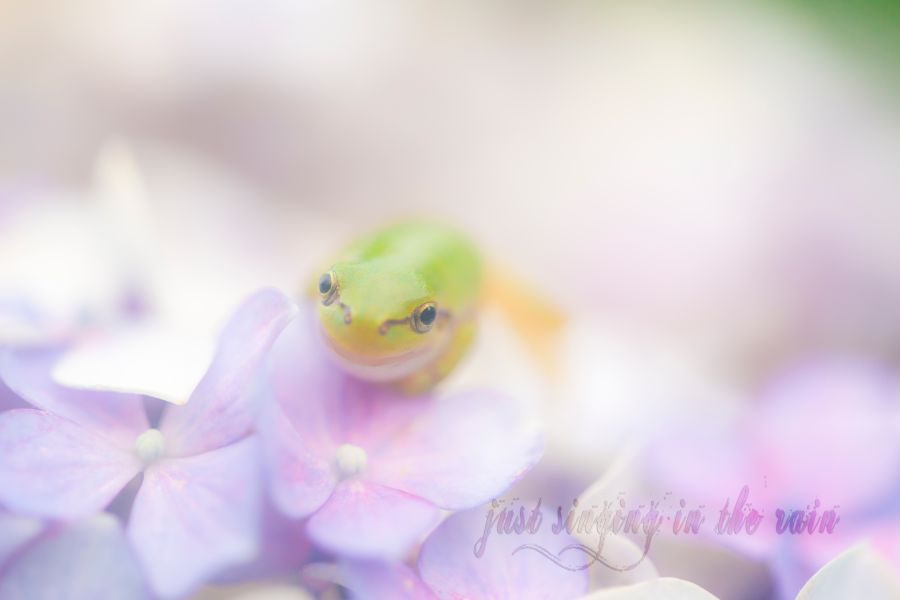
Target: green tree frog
<point x="398" y="305"/>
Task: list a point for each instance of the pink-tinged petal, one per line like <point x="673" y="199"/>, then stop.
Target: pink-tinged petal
<point x="300" y="481"/>
<point x="196" y="516"/>
<point x="367" y="520"/>
<point x="52" y="467"/>
<point x="88" y="559"/>
<point x="886" y="541"/>
<point x="119" y="418"/>
<point x="15" y="532"/>
<point x="708" y="468"/>
<point x="515" y="565"/>
<point x="326" y="407"/>
<point x="467" y="449"/>
<point x="221" y="409"/>
<point x="828" y="431"/>
<point x="376" y="581"/>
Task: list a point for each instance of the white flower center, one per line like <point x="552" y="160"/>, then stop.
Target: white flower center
<point x="350" y="460"/>
<point x="150" y="445"/>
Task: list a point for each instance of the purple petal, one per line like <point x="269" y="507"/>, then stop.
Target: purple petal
<point x="119" y="418"/>
<point x="363" y="519"/>
<point x="15" y="532"/>
<point x="56" y="468"/>
<point x="9" y="399"/>
<point x="195" y="516"/>
<point x="300" y="481"/>
<point x="89" y="559"/>
<point x="467" y="449"/>
<point x="221" y="410"/>
<point x="505" y="569"/>
<point x="376" y="581"/>
<point x="284" y="550"/>
<point x="326" y="407"/>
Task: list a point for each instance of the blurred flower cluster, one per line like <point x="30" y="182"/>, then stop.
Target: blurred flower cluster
<point x="707" y="192"/>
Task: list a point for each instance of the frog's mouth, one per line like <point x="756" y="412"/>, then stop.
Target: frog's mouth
<point x="385" y="367"/>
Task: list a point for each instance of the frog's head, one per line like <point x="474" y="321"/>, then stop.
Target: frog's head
<point x="381" y="324"/>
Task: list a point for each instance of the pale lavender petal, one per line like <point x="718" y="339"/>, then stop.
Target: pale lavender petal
<point x="119" y="418"/>
<point x="22" y="324"/>
<point x="510" y="565"/>
<point x="89" y="559"/>
<point x="221" y="409"/>
<point x="376" y="581"/>
<point x="300" y="481"/>
<point x="56" y="468"/>
<point x="15" y="532"/>
<point x="326" y="407"/>
<point x="365" y="520"/>
<point x="467" y="449"/>
<point x="196" y="516"/>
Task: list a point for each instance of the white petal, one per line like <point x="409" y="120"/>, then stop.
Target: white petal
<point x="150" y="359"/>
<point x="857" y="573"/>
<point x="665" y="588"/>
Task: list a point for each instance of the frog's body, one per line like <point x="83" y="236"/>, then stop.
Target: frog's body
<point x="399" y="305"/>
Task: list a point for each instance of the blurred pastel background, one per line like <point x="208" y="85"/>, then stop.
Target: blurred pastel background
<point x="709" y="191"/>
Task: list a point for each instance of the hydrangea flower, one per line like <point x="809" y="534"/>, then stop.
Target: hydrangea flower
<point x="197" y="507"/>
<point x="448" y="567"/>
<point x="373" y="468"/>
<point x="825" y="431"/>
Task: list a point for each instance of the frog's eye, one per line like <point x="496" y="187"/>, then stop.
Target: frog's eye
<point x="328" y="287"/>
<point x="424" y="317"/>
